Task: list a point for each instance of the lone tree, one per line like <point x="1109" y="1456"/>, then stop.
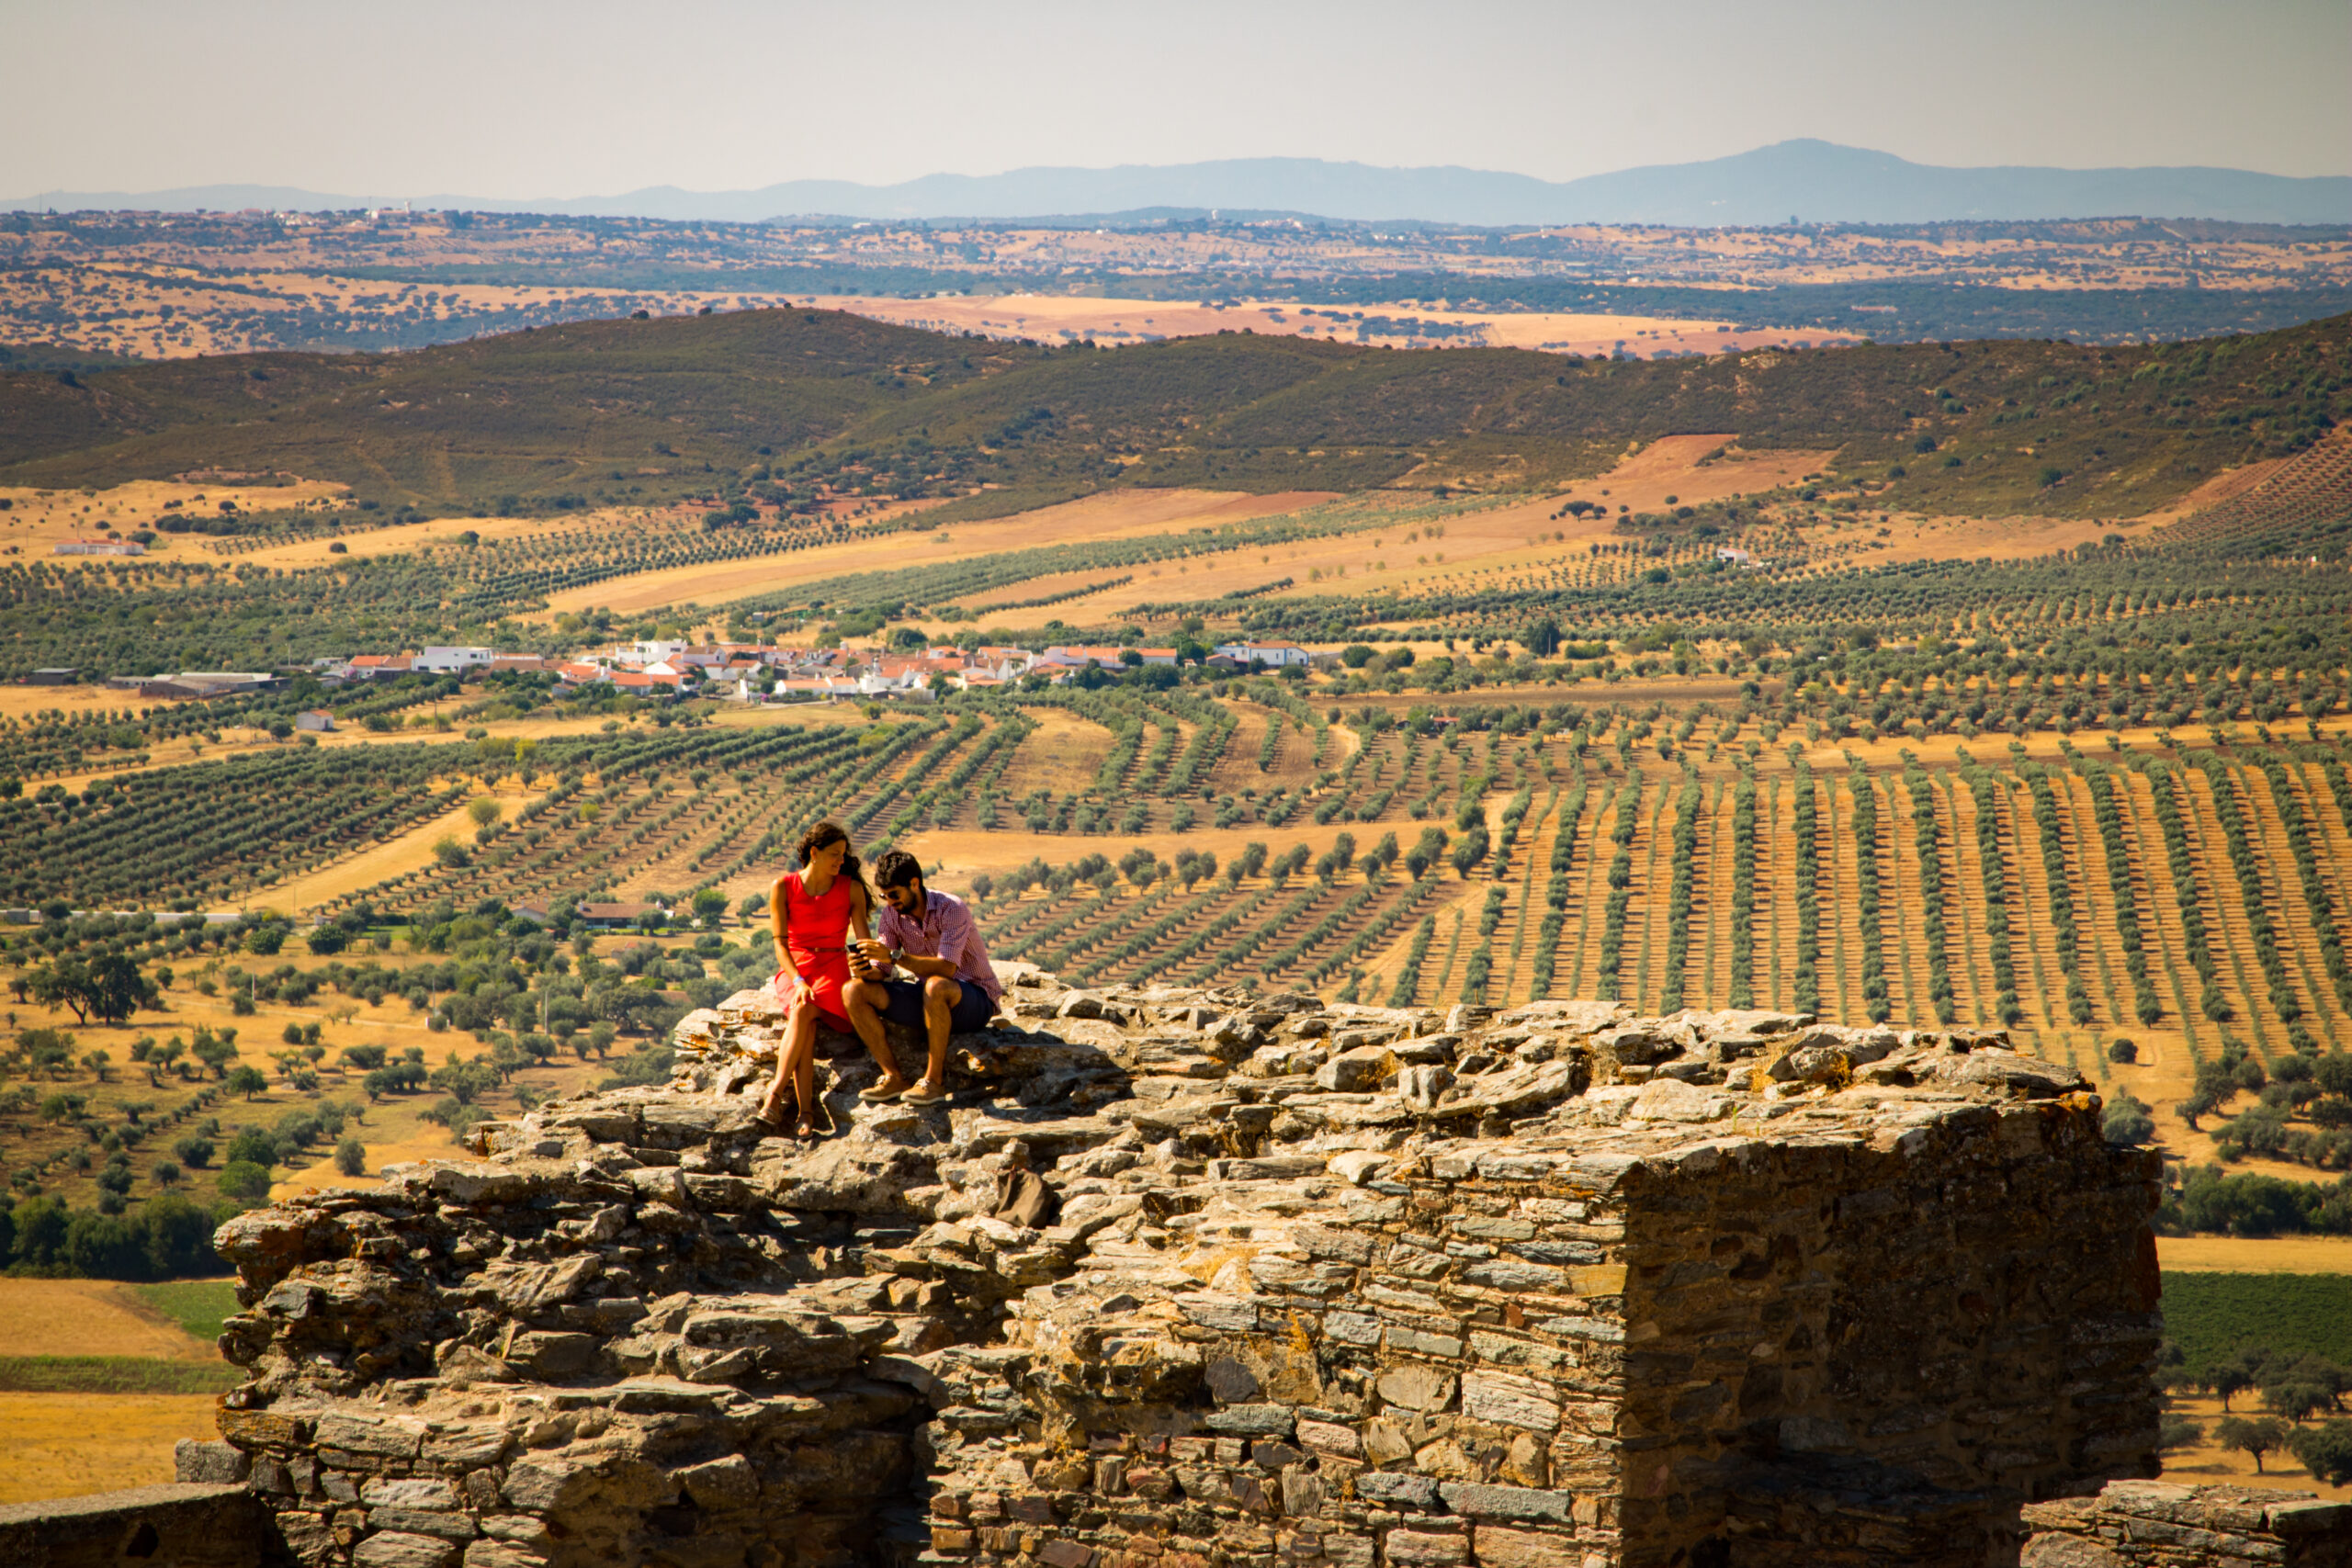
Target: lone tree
<point x="2262" y="1435"/>
<point x="66" y="983"/>
<point x="109" y="988"/>
<point x="2228" y="1381"/>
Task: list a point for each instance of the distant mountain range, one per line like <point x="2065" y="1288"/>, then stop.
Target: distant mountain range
<point x="1809" y="181"/>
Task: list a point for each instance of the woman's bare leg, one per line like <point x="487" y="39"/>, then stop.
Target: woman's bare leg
<point x="800" y="1060"/>
<point x="796" y="1067"/>
<point x="773" y="1100"/>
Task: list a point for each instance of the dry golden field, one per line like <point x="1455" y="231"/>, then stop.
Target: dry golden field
<point x="36" y="521"/>
<point x="89" y="1317"/>
<point x="63" y="1445"/>
<point x="1487" y="544"/>
<point x="1112" y="514"/>
<point x="1112" y="321"/>
<point x="60" y="1445"/>
<point x="2254" y="1254"/>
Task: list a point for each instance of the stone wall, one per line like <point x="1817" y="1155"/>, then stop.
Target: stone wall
<point x="1314" y="1285"/>
<point x="1888" y="1289"/>
<point x="2146" y="1524"/>
<point x="184" y="1525"/>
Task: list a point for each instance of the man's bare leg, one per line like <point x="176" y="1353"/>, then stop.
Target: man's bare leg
<point x="865" y="1000"/>
<point x="940" y="996"/>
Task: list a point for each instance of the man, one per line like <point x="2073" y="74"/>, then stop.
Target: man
<point x="933" y="938"/>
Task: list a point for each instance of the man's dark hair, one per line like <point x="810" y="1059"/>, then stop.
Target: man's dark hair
<point x="895" y="868"/>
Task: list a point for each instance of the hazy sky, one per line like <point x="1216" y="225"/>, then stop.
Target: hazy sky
<point x="520" y="98"/>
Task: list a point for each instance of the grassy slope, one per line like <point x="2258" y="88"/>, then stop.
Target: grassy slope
<point x="112" y="1374"/>
<point x="517" y="412"/>
<point x="540" y="412"/>
<point x="197" y="1305"/>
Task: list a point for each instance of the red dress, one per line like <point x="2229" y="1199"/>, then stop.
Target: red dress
<point x="816" y="934"/>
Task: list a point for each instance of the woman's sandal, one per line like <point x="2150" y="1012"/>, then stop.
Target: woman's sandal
<point x="804" y="1130"/>
<point x="772" y="1104"/>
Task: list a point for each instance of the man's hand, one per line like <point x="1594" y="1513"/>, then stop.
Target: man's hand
<point x="875" y="954"/>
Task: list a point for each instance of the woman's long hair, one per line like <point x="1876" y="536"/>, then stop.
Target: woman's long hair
<point x="827" y="831"/>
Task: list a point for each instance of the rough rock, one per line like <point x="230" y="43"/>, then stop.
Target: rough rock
<point x="1309" y="1286"/>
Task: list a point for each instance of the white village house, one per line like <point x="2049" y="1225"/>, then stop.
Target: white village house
<point x="452" y="661"/>
<point x="1274" y="655"/>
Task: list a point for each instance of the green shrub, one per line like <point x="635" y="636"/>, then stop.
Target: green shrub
<point x="245" y="1180"/>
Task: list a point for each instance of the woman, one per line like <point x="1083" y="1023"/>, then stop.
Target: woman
<point x="813" y="911"/>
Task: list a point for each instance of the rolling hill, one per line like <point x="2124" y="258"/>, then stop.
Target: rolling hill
<point x="692" y="405"/>
<point x="1813" y="180"/>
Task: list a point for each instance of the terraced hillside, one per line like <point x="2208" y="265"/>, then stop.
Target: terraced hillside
<point x="1348" y="832"/>
<point x="2301" y="505"/>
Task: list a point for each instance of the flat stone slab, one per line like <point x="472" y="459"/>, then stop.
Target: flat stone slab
<point x="177" y="1525"/>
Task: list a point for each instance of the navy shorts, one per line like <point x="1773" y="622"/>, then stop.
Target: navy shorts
<point x="972" y="1009"/>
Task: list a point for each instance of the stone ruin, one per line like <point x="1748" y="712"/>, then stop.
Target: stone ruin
<point x="1198" y="1279"/>
<point x="2155" y="1524"/>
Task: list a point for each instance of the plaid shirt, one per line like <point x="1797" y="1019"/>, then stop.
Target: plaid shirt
<point x="945" y="929"/>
